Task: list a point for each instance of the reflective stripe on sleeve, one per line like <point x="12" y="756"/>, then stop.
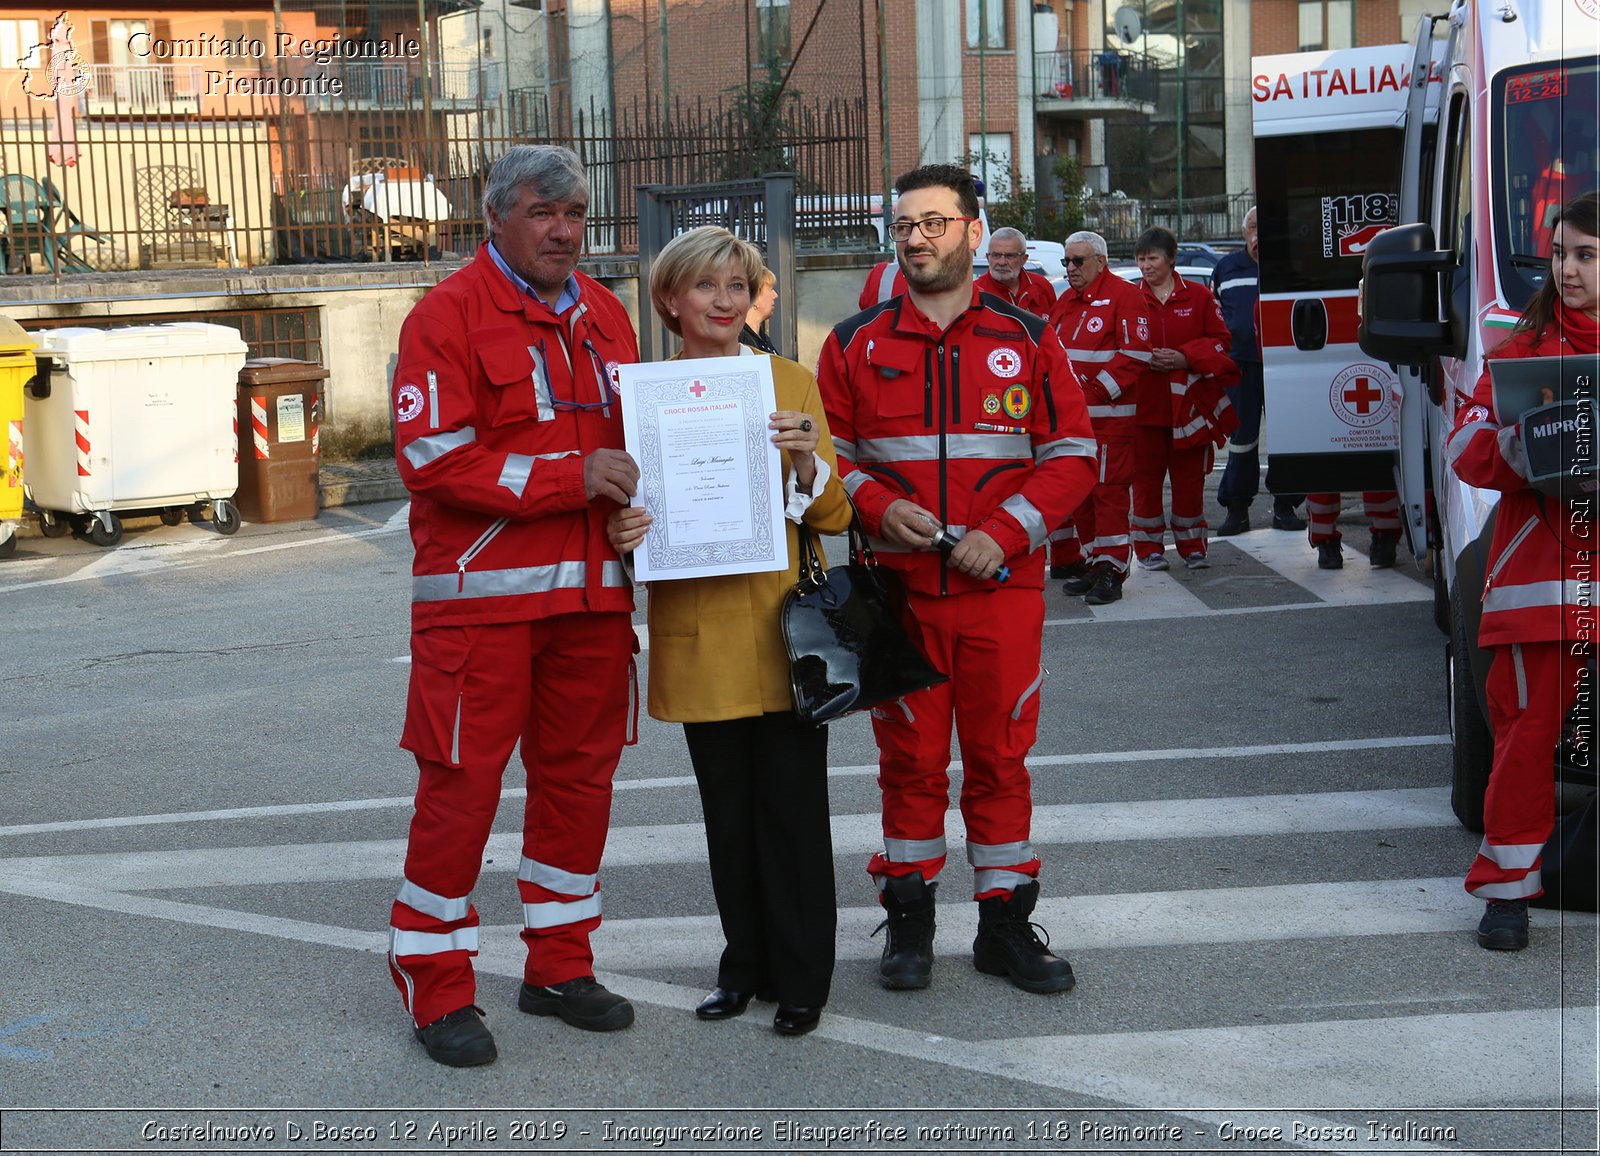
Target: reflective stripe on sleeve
<point x="1104" y="411"/>
<point x="1094" y="355"/>
<point x="514" y="476"/>
<point x="1065" y="448"/>
<point x="843" y="450"/>
<point x="440" y="907"/>
<point x="1238" y="283"/>
<point x="1463" y="437"/>
<point x="555" y="914"/>
<point x="1113" y="387"/>
<point x="502" y="583"/>
<point x="1028" y="515"/>
<point x="854" y="481"/>
<point x="403" y="943"/>
<point x="555" y="879"/>
<point x="430" y="449"/>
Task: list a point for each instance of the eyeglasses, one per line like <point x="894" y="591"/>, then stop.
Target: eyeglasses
<point x="1076" y="262"/>
<point x="932" y="227"/>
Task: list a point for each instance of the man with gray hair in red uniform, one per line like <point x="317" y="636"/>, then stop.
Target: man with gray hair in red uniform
<point x="509" y="439"/>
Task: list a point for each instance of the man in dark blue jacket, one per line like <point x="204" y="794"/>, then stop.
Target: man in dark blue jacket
<point x="1235" y="284"/>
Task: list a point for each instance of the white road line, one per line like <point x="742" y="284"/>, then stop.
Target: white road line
<point x="1362" y="1064"/>
<point x="1085" y="758"/>
<point x="1358" y="584"/>
<point x="1063" y="824"/>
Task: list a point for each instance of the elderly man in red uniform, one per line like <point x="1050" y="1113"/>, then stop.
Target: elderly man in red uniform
<point x="1103" y="324"/>
<point x="1008" y="280"/>
<point x="509" y="439"/>
<point x="953" y="410"/>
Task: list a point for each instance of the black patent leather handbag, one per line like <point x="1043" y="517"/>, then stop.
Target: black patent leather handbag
<point x="842" y="627"/>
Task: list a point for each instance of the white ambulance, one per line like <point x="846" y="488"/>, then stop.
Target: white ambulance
<point x="1329" y="134"/>
<point x="1515" y="110"/>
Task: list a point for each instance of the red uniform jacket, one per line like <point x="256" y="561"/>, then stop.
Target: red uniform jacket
<point x="490" y="444"/>
<point x="1033" y="292"/>
<point x="984" y="424"/>
<point x="1193" y="401"/>
<point x="1106" y="331"/>
<point x="1540" y="583"/>
<point x="883" y="282"/>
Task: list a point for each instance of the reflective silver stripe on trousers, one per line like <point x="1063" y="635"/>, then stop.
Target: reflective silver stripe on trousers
<point x="1112" y="410"/>
<point x="430" y="449"/>
<point x="1029" y="516"/>
<point x="913" y="850"/>
<point x="432" y="942"/>
<point x="925" y="447"/>
<point x="1033" y="689"/>
<point x="555" y="879"/>
<point x="505" y="583"/>
<point x="1511" y="856"/>
<point x="514" y="475"/>
<point x="440" y="907"/>
<point x="1522" y="679"/>
<point x="1514" y="889"/>
<point x="1065" y="448"/>
<point x="1536" y="595"/>
<point x="1000" y="854"/>
<point x="537" y="915"/>
<point x="998" y="881"/>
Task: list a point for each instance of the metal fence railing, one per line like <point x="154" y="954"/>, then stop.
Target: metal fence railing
<point x="167" y="173"/>
<point x="1120" y="220"/>
<point x="1094" y="75"/>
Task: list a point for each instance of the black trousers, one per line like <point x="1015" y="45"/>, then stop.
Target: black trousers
<point x="764" y="790"/>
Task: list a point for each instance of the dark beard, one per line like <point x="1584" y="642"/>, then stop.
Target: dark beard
<point x="948" y="273"/>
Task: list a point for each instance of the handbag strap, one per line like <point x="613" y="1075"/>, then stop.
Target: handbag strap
<point x="860" y="551"/>
<point x="812" y="570"/>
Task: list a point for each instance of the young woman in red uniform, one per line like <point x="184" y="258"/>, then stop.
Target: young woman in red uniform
<point x="1538" y="614"/>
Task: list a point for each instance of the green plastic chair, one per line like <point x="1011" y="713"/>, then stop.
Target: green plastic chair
<point x="39" y="222"/>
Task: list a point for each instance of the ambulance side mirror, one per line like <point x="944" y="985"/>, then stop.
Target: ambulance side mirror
<point x="1401" y="321"/>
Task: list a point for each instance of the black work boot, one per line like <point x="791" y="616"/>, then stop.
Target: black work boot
<point x="458" y="1039"/>
<point x="908" y="951"/>
<point x="1237" y="521"/>
<point x="1504" y="926"/>
<point x="1009" y="945"/>
<point x="1107" y="586"/>
<point x="1079" y="578"/>
<point x="1382" y="554"/>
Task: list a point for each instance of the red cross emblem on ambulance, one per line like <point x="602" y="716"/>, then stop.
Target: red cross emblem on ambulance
<point x="1004" y="362"/>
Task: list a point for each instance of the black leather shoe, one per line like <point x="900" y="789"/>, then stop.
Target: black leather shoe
<point x="1107" y="588"/>
<point x="1504" y="926"/>
<point x="794" y="1020"/>
<point x="1237" y="522"/>
<point x="581" y="1002"/>
<point x="458" y="1039"/>
<point x="723" y="1004"/>
<point x="1284" y="518"/>
<point x="1079" y="578"/>
<point x="1381" y="554"/>
<point x="1330" y="555"/>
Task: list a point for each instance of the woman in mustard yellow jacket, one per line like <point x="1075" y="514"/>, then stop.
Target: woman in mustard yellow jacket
<point x="717" y="665"/>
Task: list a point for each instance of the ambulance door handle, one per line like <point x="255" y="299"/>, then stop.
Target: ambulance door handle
<point x="1309" y="325"/>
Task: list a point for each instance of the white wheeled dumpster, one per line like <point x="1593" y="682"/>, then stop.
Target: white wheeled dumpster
<point x="134" y="420"/>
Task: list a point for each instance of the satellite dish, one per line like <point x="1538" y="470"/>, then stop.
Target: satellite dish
<point x="1129" y="27"/>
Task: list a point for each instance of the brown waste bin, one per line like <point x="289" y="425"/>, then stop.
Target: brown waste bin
<point x="280" y="408"/>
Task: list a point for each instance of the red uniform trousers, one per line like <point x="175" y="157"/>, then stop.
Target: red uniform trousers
<point x="1322" y="512"/>
<point x="1531" y="687"/>
<point x="988" y="642"/>
<point x="1097" y="532"/>
<point x="1155" y="460"/>
<point x="560" y="685"/>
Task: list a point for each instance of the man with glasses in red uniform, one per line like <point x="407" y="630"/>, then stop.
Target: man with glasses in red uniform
<point x="509" y="439"/>
<point x="956" y="416"/>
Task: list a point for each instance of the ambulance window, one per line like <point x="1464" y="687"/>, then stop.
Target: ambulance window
<point x="1543" y="154"/>
<point x="1322" y="197"/>
<point x="1457" y="205"/>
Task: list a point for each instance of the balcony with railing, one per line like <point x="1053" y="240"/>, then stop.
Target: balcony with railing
<point x="150" y="89"/>
<point x="1087" y="83"/>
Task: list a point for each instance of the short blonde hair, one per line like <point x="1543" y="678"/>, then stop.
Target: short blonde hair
<point x="693" y="254"/>
<point x="768" y="279"/>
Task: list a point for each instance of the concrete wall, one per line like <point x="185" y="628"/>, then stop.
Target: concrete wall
<point x="361" y="311"/>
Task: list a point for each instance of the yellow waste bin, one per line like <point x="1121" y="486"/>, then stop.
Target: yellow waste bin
<point x="17" y="367"/>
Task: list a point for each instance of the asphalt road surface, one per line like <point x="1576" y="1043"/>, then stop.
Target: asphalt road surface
<point x="1241" y="803"/>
